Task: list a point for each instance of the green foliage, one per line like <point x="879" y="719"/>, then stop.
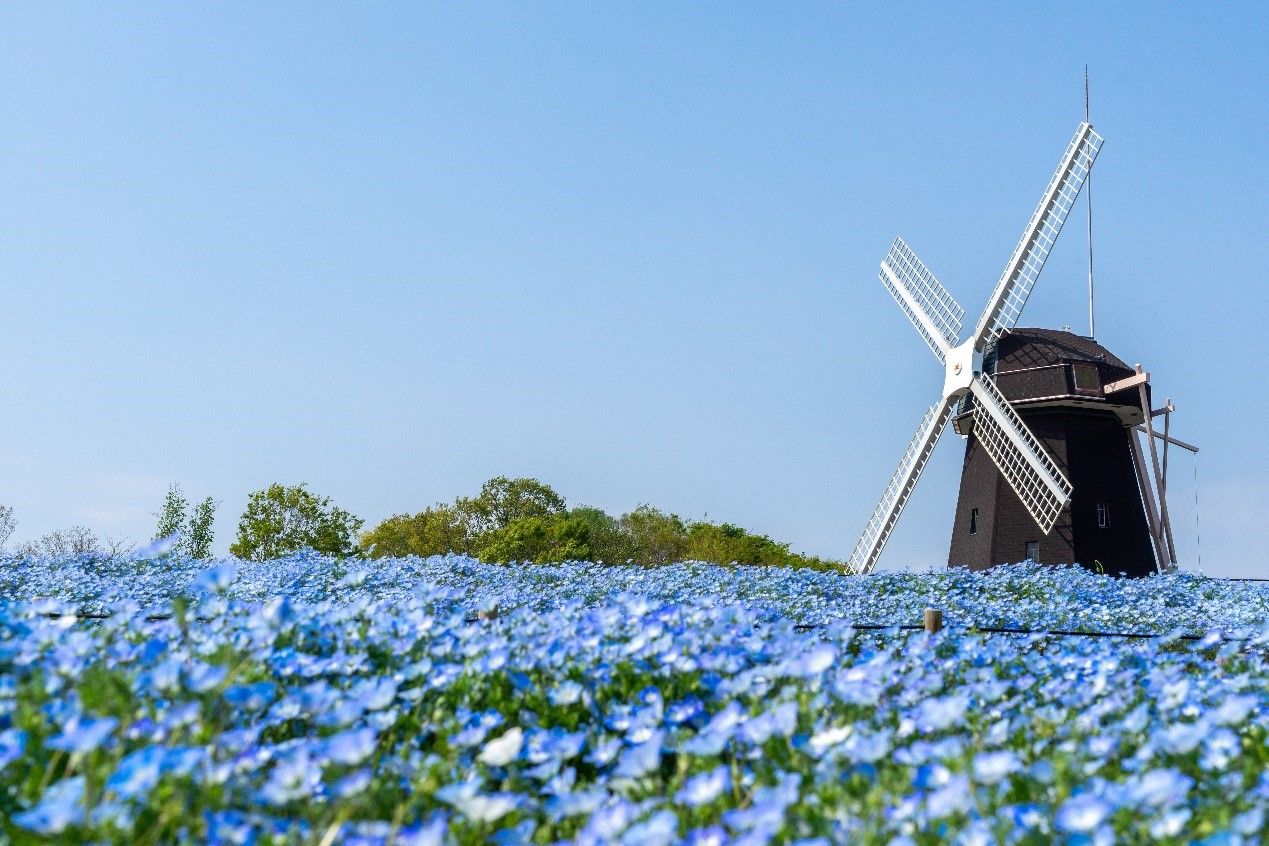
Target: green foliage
<point x="540" y="539"/>
<point x="433" y="531"/>
<point x="723" y="543"/>
<point x="198" y="537"/>
<point x="195" y="529"/>
<point x="284" y="519"/>
<point x="526" y="520"/>
<point x="172" y="514"/>
<point x="503" y="501"/>
<point x="610" y="543"/>
<point x="659" y="538"/>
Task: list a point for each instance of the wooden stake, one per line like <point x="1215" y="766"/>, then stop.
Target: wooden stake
<point x="933" y="620"/>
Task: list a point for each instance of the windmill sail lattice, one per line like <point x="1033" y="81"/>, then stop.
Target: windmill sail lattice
<point x="1024" y="463"/>
<point x="1010" y="297"/>
<point x="938" y="314"/>
<point x="1033" y="475"/>
<point x="888" y="509"/>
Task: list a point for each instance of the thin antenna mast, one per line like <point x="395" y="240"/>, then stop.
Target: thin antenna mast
<point x="1088" y="188"/>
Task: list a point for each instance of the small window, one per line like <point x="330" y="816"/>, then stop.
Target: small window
<point x="1033" y="550"/>
<point x="1103" y="515"/>
<point x="973" y="521"/>
<point x="1087" y="379"/>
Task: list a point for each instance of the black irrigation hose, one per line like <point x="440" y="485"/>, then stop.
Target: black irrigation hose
<point x="990" y="629"/>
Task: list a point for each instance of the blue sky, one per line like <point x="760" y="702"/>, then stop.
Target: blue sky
<point x="631" y="251"/>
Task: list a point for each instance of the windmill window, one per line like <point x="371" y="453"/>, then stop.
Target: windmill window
<point x="1087" y="379"/>
<point x="973" y="521"/>
<point x="1103" y="515"/>
<point x="1033" y="550"/>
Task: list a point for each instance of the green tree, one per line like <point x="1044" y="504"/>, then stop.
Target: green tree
<point x="172" y="514"/>
<point x="610" y="542"/>
<point x="433" y="531"/>
<point x="726" y="544"/>
<point x="283" y="519"/>
<point x="502" y="501"/>
<point x="198" y="536"/>
<point x="7" y="524"/>
<point x="539" y="539"/>
<point x="659" y="538"/>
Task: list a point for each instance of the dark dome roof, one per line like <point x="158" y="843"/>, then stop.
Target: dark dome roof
<point x="1023" y="348"/>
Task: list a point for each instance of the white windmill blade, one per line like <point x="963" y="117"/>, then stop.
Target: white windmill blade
<point x="1021" y="459"/>
<point x="886" y="514"/>
<point x="1007" y="301"/>
<point x="932" y="310"/>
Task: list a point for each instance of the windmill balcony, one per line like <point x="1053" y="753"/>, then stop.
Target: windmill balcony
<point x="1068" y="384"/>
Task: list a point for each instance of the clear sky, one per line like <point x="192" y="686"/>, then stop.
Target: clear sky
<point x="631" y="251"/>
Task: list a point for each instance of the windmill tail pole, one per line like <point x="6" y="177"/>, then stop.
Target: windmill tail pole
<point x="1088" y="188"/>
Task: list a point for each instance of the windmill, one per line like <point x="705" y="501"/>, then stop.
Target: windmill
<point x="1087" y="405"/>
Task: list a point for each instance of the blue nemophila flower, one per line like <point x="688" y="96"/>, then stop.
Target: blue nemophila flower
<point x="503" y="750"/>
<point x="138" y="772"/>
<point x="158" y="547"/>
<point x="12" y="744"/>
<point x="250" y="697"/>
<point x="826" y="738"/>
<point x="813" y="662"/>
<point x="215" y="580"/>
<point x="1170" y="824"/>
<point x="201" y="677"/>
<point x="607" y="822"/>
<point x="352" y="784"/>
<point x="350" y="747"/>
<point x="717" y="733"/>
<point x="604" y="752"/>
<point x="82" y="734"/>
<point x="684" y="710"/>
<point x="478" y="807"/>
<point x="430" y="833"/>
<point x="868" y="747"/>
<point x="395" y="657"/>
<point x="931" y="776"/>
<point x="1235" y="709"/>
<point x="566" y="693"/>
<point x="939" y="713"/>
<point x="660" y="829"/>
<point x="572" y="804"/>
<point x="991" y="767"/>
<point x="704" y="788"/>
<point x="780" y="721"/>
<point x="1082" y="814"/>
<point x="952" y="798"/>
<point x="714" y="835"/>
<point x="1160" y="788"/>
<point x="641" y="759"/>
<point x="765" y="814"/>
<point x="60" y="807"/>
<point x="278" y="611"/>
<point x="293" y="777"/>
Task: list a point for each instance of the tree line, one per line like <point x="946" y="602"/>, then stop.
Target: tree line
<point x="509" y="520"/>
<point x="526" y="520"/>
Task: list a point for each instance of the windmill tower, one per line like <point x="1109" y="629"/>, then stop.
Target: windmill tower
<point x="1039" y="408"/>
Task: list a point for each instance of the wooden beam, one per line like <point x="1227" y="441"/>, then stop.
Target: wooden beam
<point x="1169" y="439"/>
<point x="1124" y="384"/>
<point x="1147" y="499"/>
<point x="1158" y="478"/>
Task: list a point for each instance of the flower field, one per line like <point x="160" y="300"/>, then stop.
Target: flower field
<point x="446" y="701"/>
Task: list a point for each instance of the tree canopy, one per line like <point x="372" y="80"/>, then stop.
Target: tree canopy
<point x="283" y="519"/>
<point x="526" y="520"/>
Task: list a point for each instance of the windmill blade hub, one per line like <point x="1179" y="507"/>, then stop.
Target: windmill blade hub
<point x="962" y="363"/>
